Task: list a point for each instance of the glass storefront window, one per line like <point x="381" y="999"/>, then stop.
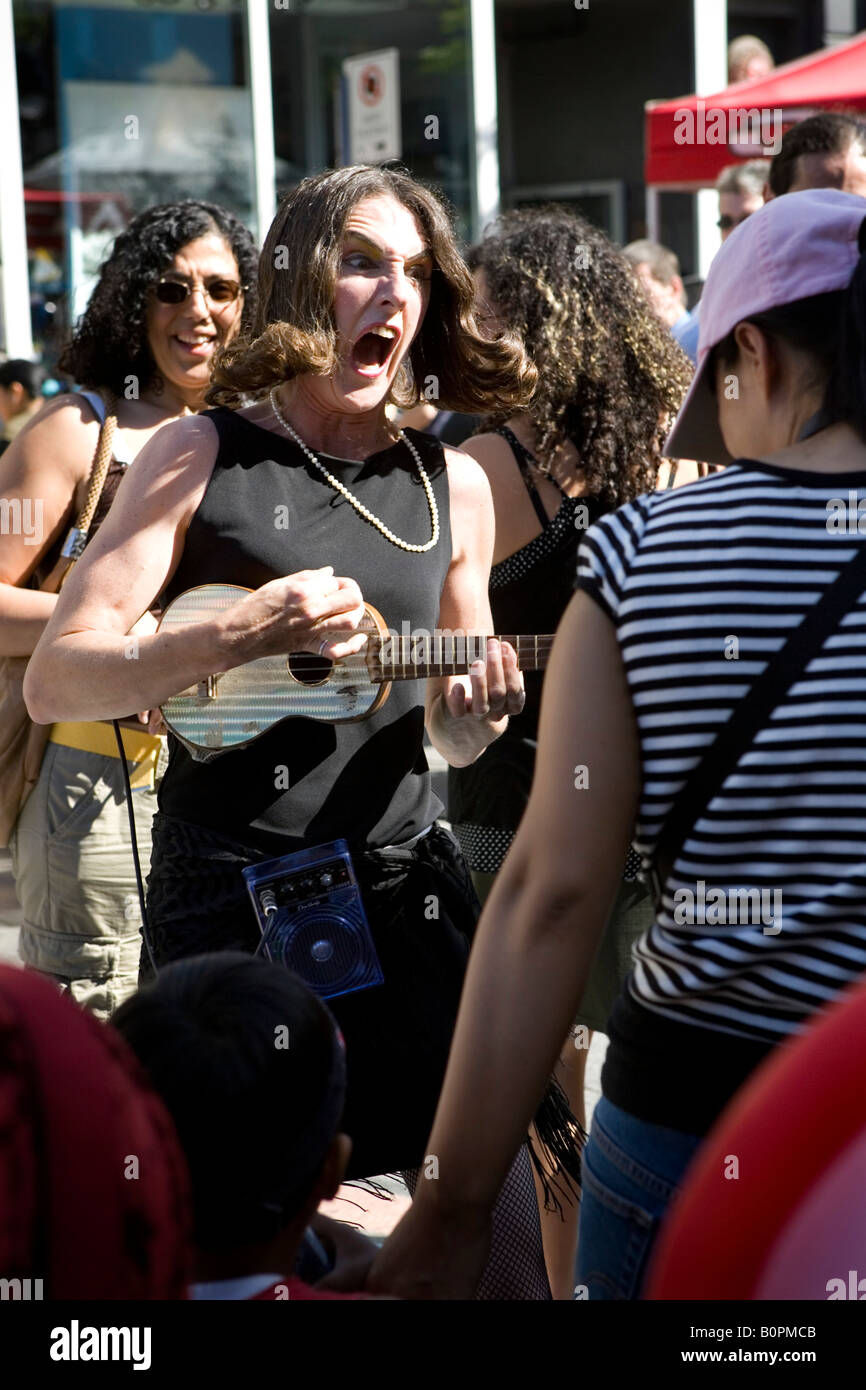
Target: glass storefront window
<point x="310" y="39"/>
<point x="128" y="103"/>
<point x="123" y="104"/>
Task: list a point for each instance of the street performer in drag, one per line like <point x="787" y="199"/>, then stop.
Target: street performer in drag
<point x="298" y="488"/>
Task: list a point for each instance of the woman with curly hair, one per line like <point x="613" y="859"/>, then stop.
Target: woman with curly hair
<point x="174" y="289"/>
<point x="298" y="488"/>
<point x="609" y="377"/>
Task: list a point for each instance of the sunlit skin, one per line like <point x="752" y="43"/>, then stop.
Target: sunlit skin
<point x="666" y="300"/>
<point x="383" y="279"/>
<point x="751" y="68"/>
<point x="172" y="329"/>
<point x="845" y="170"/>
<point x="14" y="401"/>
<point x="422" y="415"/>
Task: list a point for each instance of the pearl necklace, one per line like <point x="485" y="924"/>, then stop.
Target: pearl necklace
<point x="359" y="506"/>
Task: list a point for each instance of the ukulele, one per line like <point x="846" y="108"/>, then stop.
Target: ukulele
<point x="229" y="710"/>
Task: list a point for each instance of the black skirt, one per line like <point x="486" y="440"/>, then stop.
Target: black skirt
<point x="422" y="911"/>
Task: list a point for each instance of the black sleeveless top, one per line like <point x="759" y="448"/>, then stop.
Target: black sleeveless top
<point x="531" y="589"/>
<point x="366" y="782"/>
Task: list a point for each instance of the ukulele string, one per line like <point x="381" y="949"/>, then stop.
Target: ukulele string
<point x="531" y="652"/>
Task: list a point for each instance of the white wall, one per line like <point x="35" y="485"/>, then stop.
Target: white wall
<point x="14" y="281"/>
<point x="840" y="19"/>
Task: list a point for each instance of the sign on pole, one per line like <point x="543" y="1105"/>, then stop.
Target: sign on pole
<point x="372" y="106"/>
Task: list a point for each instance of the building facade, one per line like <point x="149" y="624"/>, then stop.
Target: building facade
<point x="113" y="105"/>
<point x="125" y="103"/>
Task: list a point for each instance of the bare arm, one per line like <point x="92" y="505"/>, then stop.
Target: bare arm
<point x="531" y="958"/>
<point x="86" y="668"/>
<point x="516" y="519"/>
<point x="40" y="474"/>
<point x="464" y="714"/>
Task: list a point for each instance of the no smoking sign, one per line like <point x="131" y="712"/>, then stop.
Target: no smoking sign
<point x="371" y="89"/>
<point x="371" y="85"/>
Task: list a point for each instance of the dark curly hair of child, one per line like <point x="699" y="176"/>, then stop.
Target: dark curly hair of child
<point x="110" y="341"/>
<point x="610" y="376"/>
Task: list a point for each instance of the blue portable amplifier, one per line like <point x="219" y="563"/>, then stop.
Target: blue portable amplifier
<point x="309" y="910"/>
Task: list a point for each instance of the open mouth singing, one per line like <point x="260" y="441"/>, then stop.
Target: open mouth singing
<point x="373" y="349"/>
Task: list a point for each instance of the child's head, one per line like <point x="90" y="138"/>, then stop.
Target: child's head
<point x="251" y="1066"/>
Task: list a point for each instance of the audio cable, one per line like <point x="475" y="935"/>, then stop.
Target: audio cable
<point x="268" y="904"/>
<point x="145" y="926"/>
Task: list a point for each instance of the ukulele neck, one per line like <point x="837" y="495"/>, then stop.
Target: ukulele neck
<point x="419" y="656"/>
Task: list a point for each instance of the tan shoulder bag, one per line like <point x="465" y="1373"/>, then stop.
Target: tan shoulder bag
<point x="23" y="743"/>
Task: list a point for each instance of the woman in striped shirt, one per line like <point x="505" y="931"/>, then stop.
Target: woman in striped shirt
<point x="684" y="597"/>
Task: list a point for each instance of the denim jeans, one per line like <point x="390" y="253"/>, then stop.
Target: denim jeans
<point x="631" y="1169"/>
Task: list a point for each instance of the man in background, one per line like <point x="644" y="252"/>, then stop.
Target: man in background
<point x="741" y="192"/>
<point x="748" y="56"/>
<point x="658" y="269"/>
<point x="824" y="151"/>
<point x="20" y="396"/>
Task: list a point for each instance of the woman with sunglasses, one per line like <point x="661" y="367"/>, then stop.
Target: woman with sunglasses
<point x="173" y="291"/>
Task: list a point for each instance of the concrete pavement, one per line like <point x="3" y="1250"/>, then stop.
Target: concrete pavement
<point x="10" y="912"/>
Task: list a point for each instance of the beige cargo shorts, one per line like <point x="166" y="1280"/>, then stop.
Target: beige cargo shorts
<point x="75" y="878"/>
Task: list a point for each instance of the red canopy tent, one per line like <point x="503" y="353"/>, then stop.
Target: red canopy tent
<point x="690" y="141"/>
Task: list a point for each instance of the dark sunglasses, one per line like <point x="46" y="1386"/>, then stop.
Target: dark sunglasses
<point x="727" y="224"/>
<point x="217" y="290"/>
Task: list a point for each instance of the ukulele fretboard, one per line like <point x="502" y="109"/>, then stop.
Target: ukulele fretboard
<point x="416" y="656"/>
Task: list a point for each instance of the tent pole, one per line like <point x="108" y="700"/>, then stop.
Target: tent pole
<point x="15" y="332"/>
<point x="710" y="29"/>
<point x="653" y="209"/>
<point x="261" y="98"/>
<point x="484" y="164"/>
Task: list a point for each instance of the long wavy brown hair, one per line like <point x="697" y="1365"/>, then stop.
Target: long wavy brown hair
<point x="610" y="376"/>
<point x="294" y="331"/>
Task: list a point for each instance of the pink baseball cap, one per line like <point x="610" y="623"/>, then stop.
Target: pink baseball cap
<point x="794" y="246"/>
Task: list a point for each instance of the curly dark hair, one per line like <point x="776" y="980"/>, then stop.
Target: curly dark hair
<point x="110" y="341"/>
<point x="610" y="376"/>
<point x="294" y="330"/>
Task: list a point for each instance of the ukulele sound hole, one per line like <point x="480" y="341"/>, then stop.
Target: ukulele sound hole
<point x="309" y="669"/>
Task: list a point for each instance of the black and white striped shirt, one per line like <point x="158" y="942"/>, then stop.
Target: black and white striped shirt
<point x="764" y="915"/>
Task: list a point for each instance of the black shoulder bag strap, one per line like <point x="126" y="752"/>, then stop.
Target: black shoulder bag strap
<point x="752" y="713"/>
